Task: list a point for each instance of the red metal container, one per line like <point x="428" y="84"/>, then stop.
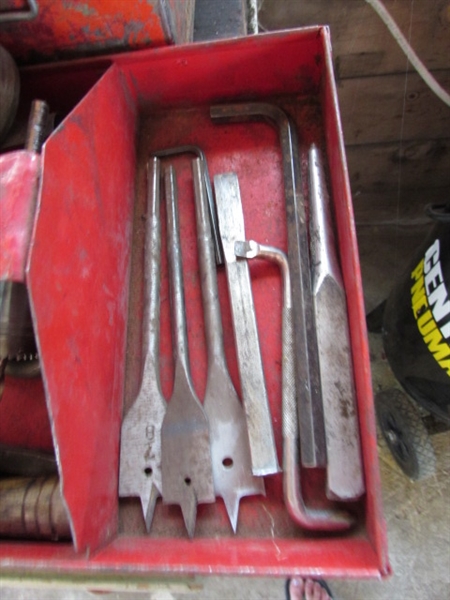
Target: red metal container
<point x="85" y="275"/>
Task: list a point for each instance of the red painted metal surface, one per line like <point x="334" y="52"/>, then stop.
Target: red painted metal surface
<point x="82" y="27"/>
<point x="83" y="230"/>
<point x="19" y="177"/>
<point x="86" y="186"/>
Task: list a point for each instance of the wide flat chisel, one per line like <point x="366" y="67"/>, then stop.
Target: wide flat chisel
<point x="344" y="470"/>
<point x="254" y="393"/>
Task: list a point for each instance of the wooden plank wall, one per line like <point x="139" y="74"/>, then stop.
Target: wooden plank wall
<point x="397" y="132"/>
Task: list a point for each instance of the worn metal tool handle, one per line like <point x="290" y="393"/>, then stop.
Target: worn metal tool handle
<point x="210" y="293"/>
<point x="181" y="346"/>
<point x="152" y="272"/>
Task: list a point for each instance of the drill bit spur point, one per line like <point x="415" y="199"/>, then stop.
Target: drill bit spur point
<point x="186" y="468"/>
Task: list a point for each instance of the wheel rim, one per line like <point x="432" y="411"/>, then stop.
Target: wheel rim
<point x="395" y="438"/>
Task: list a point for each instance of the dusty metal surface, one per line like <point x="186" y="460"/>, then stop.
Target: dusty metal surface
<point x="140" y="440"/>
<point x="215" y="19"/>
<point x="344" y="465"/>
<point x="254" y="393"/>
<point x="230" y="447"/>
<point x="310" y="410"/>
<point x="186" y="468"/>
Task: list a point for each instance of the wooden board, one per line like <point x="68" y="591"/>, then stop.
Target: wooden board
<point x="396" y="207"/>
<point x="372" y="108"/>
<point x="362" y="44"/>
<point x="384" y="168"/>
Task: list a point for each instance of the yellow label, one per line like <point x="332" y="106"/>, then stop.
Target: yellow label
<point x="430" y="305"/>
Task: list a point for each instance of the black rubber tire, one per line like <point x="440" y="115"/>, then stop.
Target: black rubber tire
<point x="405" y="434"/>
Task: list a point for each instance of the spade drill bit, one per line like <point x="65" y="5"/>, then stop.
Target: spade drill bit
<point x="186" y="467"/>
<point x="140" y="449"/>
<point x="230" y="447"/>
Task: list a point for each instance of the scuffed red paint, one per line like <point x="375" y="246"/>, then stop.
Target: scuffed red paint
<point x="19" y="176"/>
<point x="74" y="27"/>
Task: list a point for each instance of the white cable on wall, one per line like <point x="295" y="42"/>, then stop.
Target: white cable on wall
<point x="411" y="55"/>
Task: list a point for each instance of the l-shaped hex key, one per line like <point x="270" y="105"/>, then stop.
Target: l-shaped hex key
<point x="324" y="519"/>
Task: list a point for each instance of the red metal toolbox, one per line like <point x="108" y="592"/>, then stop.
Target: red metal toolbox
<point x="85" y="275"/>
